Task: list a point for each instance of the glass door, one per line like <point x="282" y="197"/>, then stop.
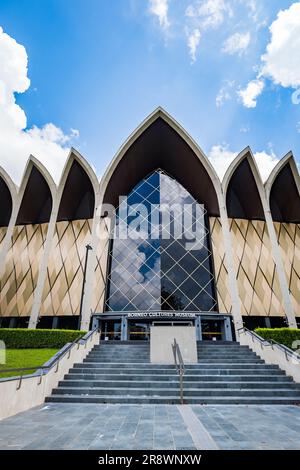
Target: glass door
<point x="212" y="330"/>
<point x="139" y="331"/>
<point x="110" y="330"/>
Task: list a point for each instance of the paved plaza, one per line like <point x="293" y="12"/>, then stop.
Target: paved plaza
<point x="142" y="427"/>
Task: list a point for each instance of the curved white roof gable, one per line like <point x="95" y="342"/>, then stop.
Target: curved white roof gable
<point x="10" y="184"/>
<point x="244" y="154"/>
<point x="34" y="162"/>
<point x="74" y="155"/>
<point x="160" y="113"/>
<point x="288" y="159"/>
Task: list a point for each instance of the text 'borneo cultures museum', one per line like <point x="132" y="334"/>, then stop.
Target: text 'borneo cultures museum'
<point x="160" y="240"/>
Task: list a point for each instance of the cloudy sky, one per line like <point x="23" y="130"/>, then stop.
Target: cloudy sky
<point x="87" y="72"/>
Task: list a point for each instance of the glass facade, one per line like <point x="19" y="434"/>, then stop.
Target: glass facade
<point x="165" y="262"/>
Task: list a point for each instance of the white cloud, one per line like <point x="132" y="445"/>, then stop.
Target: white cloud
<point x="265" y="162"/>
<point x="238" y="43"/>
<point x="224" y="93"/>
<point x="201" y="16"/>
<point x="193" y="43"/>
<point x="221" y="157"/>
<point x="253" y="8"/>
<point x="245" y="129"/>
<point x="222" y="97"/>
<point x="281" y="61"/>
<point x="211" y="13"/>
<point x="49" y="144"/>
<point x="252" y="91"/>
<point x="160" y="9"/>
<point x="252" y="5"/>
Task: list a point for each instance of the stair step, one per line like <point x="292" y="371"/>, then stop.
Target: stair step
<point x="82" y="391"/>
<point x="218" y="400"/>
<point x="226" y="373"/>
<point x="187" y="378"/>
<point x="243" y="356"/>
<point x="173" y="383"/>
<point x="202" y="366"/>
<point x="202" y="371"/>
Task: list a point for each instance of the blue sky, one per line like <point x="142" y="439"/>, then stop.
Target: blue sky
<point x="100" y="67"/>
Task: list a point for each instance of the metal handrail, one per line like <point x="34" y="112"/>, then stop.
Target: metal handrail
<point x="271" y="342"/>
<point x="180" y="367"/>
<point x="40" y="369"/>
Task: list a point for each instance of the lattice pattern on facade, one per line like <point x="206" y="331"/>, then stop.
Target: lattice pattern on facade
<point x="161" y="273"/>
<point x="221" y="273"/>
<point x="62" y="290"/>
<point x="22" y="264"/>
<point x="288" y="236"/>
<point x="3" y="231"/>
<point x="99" y="285"/>
<point x="257" y="278"/>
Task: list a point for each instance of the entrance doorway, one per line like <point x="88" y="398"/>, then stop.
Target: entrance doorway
<point x="212" y="330"/>
<point x="110" y="330"/>
<point x="139" y="331"/>
<point x="120" y="327"/>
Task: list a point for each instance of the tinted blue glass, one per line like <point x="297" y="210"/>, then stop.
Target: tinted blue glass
<point x="156" y="271"/>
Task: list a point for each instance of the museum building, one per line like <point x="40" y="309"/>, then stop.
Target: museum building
<point x="62" y="264"/>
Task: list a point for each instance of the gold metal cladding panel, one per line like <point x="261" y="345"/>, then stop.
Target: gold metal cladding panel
<point x="22" y="263"/>
<point x="288" y="236"/>
<point x="100" y="275"/>
<point x="257" y="277"/>
<point x="3" y="231"/>
<point x="221" y="273"/>
<point x="63" y="286"/>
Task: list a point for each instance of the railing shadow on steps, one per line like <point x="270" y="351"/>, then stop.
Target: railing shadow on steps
<point x="180" y="367"/>
<point x="42" y="370"/>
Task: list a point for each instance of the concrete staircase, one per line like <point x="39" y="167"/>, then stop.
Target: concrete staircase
<point x="226" y="373"/>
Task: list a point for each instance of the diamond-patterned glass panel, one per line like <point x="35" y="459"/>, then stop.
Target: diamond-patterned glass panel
<point x="161" y="268"/>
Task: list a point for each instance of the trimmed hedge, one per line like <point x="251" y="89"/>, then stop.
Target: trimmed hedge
<point x="23" y="338"/>
<point x="284" y="336"/>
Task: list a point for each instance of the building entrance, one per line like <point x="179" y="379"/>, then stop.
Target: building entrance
<point x="136" y="326"/>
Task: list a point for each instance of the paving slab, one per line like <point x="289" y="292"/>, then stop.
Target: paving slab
<point x="154" y="427"/>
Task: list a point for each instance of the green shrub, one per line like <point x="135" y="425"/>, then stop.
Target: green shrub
<point x="284" y="336"/>
<point x="19" y="338"/>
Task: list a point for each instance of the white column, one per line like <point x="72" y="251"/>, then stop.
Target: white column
<point x="287" y="302"/>
<point x="89" y="280"/>
<point x="232" y="274"/>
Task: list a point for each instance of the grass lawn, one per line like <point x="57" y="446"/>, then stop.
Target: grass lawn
<point x="16" y="358"/>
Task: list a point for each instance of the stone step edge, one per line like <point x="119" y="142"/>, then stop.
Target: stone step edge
<point x="174" y="399"/>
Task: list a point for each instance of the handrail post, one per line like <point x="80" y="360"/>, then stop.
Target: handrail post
<point x="19" y="382"/>
<point x="181" y="388"/>
<point x="179" y="367"/>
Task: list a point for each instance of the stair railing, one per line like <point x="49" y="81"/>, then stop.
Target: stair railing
<point x="45" y="368"/>
<point x="289" y="353"/>
<point x="180" y="367"/>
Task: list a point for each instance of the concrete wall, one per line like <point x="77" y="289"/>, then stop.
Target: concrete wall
<point x="162" y="338"/>
<point x="33" y="393"/>
<point x="273" y="356"/>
